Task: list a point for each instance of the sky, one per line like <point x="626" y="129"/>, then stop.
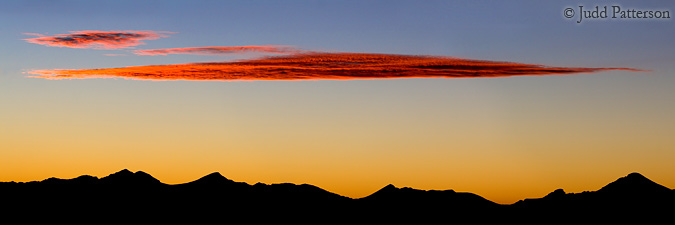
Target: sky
<point x="507" y="100"/>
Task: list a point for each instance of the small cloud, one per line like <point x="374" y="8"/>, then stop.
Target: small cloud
<point x="97" y="39"/>
<point x="33" y="34"/>
<point x="278" y="49"/>
<point x="325" y="66"/>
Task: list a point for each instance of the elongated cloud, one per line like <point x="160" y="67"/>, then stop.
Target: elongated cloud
<point x="324" y="66"/>
<point x="280" y="49"/>
<point x="97" y="39"/>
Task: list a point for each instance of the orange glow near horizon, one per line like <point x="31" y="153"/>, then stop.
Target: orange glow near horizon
<point x="323" y="66"/>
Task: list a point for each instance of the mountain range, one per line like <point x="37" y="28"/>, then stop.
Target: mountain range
<point x="139" y="196"/>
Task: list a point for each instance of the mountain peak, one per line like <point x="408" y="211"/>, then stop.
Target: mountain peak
<point x="389" y="186"/>
<point x="127" y="177"/>
<point x="213" y="178"/>
<point x="558" y="193"/>
<point x="636" y="175"/>
<point x="215" y="174"/>
<point x="124" y="171"/>
<point x="119" y="174"/>
<point x="386" y="190"/>
<point x="633" y="183"/>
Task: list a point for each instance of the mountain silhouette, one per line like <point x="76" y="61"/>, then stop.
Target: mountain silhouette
<point x="212" y="179"/>
<point x="391" y="195"/>
<point x="628" y="197"/>
<point x="125" y="194"/>
<point x="634" y="183"/>
<point x="128" y="178"/>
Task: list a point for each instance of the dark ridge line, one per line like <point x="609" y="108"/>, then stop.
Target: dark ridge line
<point x="630" y="182"/>
<point x="127" y="196"/>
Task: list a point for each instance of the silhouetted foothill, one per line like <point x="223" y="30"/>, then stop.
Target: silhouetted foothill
<point x="215" y="197"/>
<point x="213" y="178"/>
<point x="126" y="177"/>
<point x="558" y="193"/>
<point x="632" y="184"/>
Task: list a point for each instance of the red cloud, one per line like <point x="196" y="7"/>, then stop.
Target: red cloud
<point x="281" y="49"/>
<point x="324" y="66"/>
<point x="97" y="39"/>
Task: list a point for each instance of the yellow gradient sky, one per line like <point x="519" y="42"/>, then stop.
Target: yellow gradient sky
<point x="508" y="142"/>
